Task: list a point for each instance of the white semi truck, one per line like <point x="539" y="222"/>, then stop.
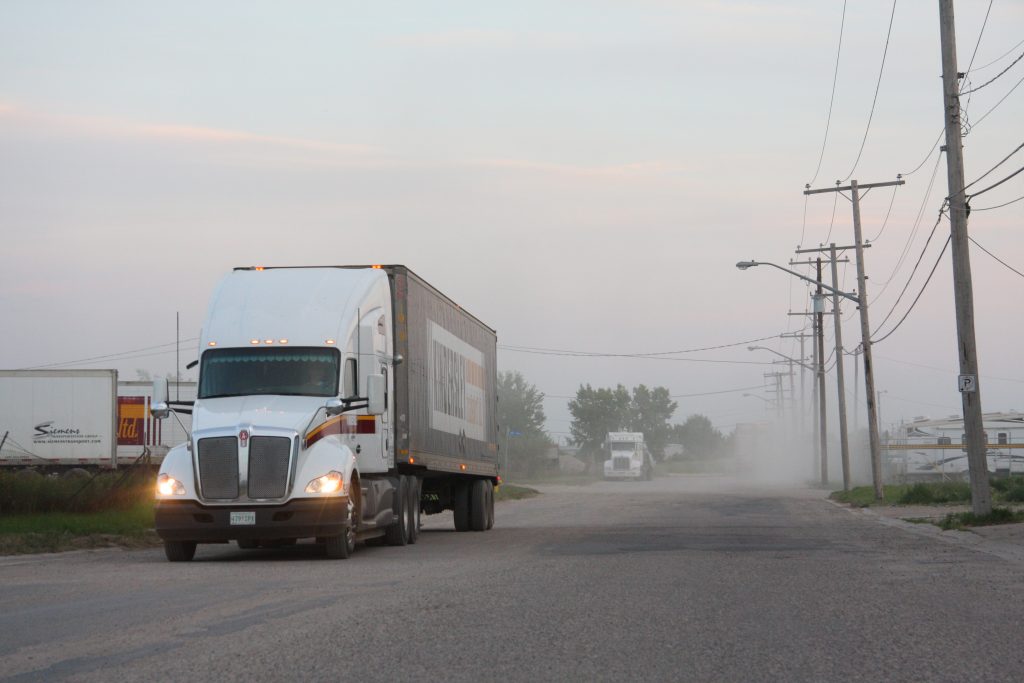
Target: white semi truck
<point x="335" y="403"/>
<point x="628" y="457"/>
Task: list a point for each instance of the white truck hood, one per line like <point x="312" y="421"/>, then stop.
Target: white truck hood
<point x="234" y="412"/>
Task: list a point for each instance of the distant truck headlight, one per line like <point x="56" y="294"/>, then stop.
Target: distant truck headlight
<point x="332" y="482"/>
<point x="166" y="485"/>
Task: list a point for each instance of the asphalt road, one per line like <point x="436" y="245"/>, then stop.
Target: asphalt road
<point x="682" y="578"/>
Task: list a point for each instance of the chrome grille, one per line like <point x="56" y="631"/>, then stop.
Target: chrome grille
<point x="218" y="467"/>
<point x="269" y="457"/>
<point x="620" y="463"/>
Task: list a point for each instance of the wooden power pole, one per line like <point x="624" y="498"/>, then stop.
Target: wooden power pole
<point x="963" y="293"/>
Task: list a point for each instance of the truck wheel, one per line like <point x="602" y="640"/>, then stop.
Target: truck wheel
<point x="180" y="551"/>
<point x="397" y="532"/>
<point x="478" y="505"/>
<point x="460" y="505"/>
<point x="490" y="505"/>
<point x="413" y="509"/>
<point x="342" y="546"/>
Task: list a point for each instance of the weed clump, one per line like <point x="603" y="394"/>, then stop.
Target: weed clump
<point x="936" y="492"/>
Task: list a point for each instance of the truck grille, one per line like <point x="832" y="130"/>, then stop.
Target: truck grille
<point x="269" y="457"/>
<point x="218" y="467"/>
<point x="620" y="463"/>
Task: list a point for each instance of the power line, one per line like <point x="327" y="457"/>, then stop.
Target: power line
<point x="995" y="257"/>
<point x="977" y="43"/>
<point x="892" y="200"/>
<point x="993" y="79"/>
<point x="935" y="146"/>
<point x="995" y="185"/>
<point x="1005" y="159"/>
<point x="999" y="206"/>
<point x="914" y="271"/>
<point x="878" y="85"/>
<point x="1009" y="92"/>
<point x="997" y="59"/>
<point x="515" y="347"/>
<point x="914" y="303"/>
<point x="112" y="356"/>
<point x="831" y="100"/>
<point x="626" y="355"/>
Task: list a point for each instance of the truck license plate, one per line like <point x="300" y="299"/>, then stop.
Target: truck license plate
<point x="238" y="518"/>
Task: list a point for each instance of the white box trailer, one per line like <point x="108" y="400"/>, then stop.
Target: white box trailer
<point x="141" y="439"/>
<point x="58" y="418"/>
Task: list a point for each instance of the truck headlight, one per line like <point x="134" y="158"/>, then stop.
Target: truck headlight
<point x="332" y="482"/>
<point x="166" y="485"/>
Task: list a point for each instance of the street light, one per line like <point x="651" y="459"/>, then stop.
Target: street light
<point x="743" y="265"/>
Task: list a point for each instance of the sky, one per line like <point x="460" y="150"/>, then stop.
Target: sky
<point x="582" y="176"/>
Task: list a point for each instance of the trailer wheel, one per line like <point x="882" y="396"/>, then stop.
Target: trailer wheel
<point x="413" y="509"/>
<point x="490" y="505"/>
<point x="180" y="551"/>
<point x="397" y="532"/>
<point x="460" y="505"/>
<point x="478" y="505"/>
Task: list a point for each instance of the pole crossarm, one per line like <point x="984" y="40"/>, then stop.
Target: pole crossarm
<point x="865" y="186"/>
<point x="782" y="355"/>
<point x="829" y="248"/>
<point x="811" y="263"/>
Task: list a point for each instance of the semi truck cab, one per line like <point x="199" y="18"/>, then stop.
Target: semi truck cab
<point x="628" y="457"/>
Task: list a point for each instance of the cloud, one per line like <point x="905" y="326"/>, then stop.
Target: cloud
<point x="224" y="135"/>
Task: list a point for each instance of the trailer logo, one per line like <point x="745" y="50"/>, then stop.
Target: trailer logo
<point x="457" y="376"/>
<point x="46" y="433"/>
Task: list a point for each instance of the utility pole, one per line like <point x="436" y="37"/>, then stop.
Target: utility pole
<point x="963" y="292"/>
<point x="819" y="353"/>
<point x="865" y="329"/>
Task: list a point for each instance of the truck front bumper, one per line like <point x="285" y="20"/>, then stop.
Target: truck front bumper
<point x="188" y="520"/>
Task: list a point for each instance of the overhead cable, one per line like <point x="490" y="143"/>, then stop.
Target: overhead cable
<point x="113" y="356"/>
<point x="996" y="105"/>
<point x="997" y="59"/>
<point x="914" y="271"/>
<point x="878" y="85"/>
<point x="914" y="303"/>
<point x="513" y="347"/>
<point x="832" y="97"/>
<point x="994" y="256"/>
<point x="993" y="79"/>
<point x="997" y="206"/>
<point x="1005" y="159"/>
<point x="995" y="185"/>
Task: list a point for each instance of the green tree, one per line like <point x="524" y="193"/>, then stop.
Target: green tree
<point x="595" y="412"/>
<point x="650" y="411"/>
<point x="699" y="437"/>
<point x="521" y="424"/>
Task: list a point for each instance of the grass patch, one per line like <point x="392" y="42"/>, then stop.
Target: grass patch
<point x="936" y="493"/>
<point x="55" y="531"/>
<point x="31" y="493"/>
<point x="864" y="496"/>
<point x="513" y="492"/>
<point x="963" y="520"/>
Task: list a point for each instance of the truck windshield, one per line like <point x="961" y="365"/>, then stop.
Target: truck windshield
<point x="295" y="371"/>
<point x="626" y="446"/>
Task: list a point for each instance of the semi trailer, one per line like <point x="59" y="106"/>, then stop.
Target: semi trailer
<point x="335" y="403"/>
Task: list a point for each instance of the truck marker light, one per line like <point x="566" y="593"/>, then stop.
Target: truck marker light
<point x="212" y="344"/>
<point x="268" y="341"/>
<point x="259" y="268"/>
<point x="166" y="485"/>
<point x="412" y="460"/>
<point x="462" y="467"/>
<point x="282" y="341"/>
<point x="376" y="266"/>
<point x="328" y="341"/>
<point x="254" y="341"/>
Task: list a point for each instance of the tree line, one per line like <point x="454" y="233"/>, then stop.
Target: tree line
<point x="595" y="412"/>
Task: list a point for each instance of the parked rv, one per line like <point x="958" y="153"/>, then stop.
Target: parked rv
<point x="335" y="403"/>
<point x="928" y="449"/>
<point x="628" y="457"/>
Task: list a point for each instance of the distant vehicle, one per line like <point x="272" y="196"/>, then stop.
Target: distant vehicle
<point x="57" y="420"/>
<point x="928" y="449"/>
<point x="335" y="403"/>
<point x="628" y="457"/>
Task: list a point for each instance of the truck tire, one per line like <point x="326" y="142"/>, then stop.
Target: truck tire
<point x="490" y="505"/>
<point x="413" y="509"/>
<point x="180" y="551"/>
<point x="478" y="505"/>
<point x="340" y="547"/>
<point x="397" y="532"/>
<point x="460" y="505"/>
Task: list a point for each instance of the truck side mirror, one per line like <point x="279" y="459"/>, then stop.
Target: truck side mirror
<point x="334" y="406"/>
<point x="159" y="408"/>
<point x="376" y="390"/>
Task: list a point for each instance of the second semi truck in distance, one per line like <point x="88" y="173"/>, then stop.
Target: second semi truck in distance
<point x="335" y="403"/>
